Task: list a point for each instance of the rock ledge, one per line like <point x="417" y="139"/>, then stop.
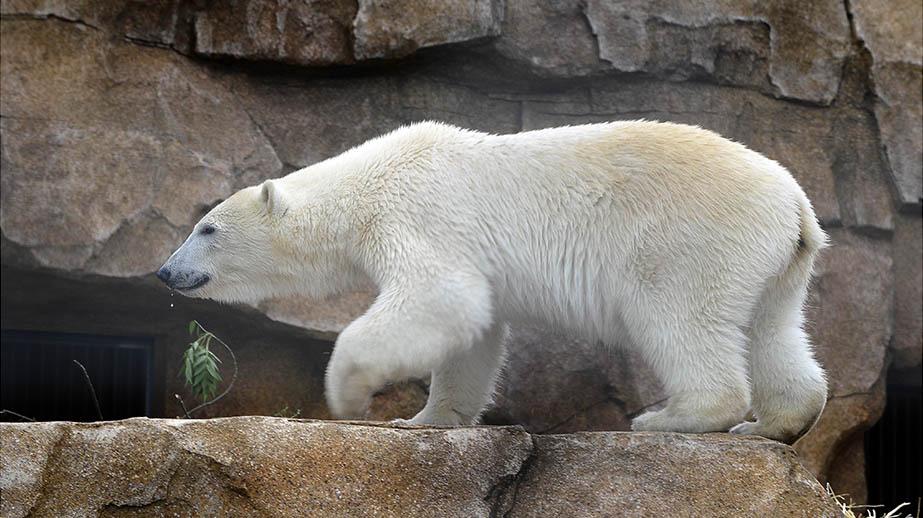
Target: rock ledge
<point x="284" y="467"/>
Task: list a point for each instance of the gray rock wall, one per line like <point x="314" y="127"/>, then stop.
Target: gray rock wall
<point x="122" y="122"/>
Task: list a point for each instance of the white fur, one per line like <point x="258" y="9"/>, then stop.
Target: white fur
<point x="660" y="237"/>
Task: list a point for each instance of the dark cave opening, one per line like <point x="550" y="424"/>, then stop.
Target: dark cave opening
<point x="892" y="447"/>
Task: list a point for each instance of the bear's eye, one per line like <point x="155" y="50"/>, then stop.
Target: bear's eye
<point x="208" y="229"/>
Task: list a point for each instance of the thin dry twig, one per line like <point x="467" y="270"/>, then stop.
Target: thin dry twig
<point x="17" y="414"/>
<point x="182" y="404"/>
<point x="848" y="509"/>
<point x="86" y="376"/>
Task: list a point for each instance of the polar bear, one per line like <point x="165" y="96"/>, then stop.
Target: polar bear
<point x="690" y="248"/>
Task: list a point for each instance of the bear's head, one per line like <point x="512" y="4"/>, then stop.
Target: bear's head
<point x="237" y="252"/>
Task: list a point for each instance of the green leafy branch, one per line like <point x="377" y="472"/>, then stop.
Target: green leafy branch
<point x="200" y="368"/>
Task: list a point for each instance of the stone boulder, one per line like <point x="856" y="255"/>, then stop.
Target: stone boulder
<point x="649" y="474"/>
<point x="787" y="48"/>
<point x="313" y="33"/>
<point x="255" y="466"/>
<point x="394" y="29"/>
<point x="893" y="35"/>
<point x="110" y="150"/>
<point x="908" y="318"/>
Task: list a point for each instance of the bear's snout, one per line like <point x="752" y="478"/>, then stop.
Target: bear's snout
<point x="164" y="274"/>
<point x="182" y="280"/>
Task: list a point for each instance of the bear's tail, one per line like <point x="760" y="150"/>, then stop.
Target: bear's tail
<point x="812" y="238"/>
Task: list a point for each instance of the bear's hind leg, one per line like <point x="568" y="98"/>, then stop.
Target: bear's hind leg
<point x="704" y="374"/>
<point x="789" y="387"/>
<point x="464" y="384"/>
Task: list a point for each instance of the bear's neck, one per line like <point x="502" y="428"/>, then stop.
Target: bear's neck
<point x="325" y="224"/>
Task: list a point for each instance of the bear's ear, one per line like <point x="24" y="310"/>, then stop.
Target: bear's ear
<point x="270" y="196"/>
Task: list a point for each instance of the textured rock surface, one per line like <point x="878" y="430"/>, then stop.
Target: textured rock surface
<point x="894" y="36"/>
<point x="103" y="141"/>
<point x="637" y="474"/>
<point x="283" y="467"/>
<point x="852" y="279"/>
<point x="908" y="291"/>
<point x="524" y="38"/>
<point x="832" y="450"/>
<point x="392" y="29"/>
<point x="121" y="122"/>
<point x="778" y="47"/>
<point x="803" y="44"/>
<point x="316" y="32"/>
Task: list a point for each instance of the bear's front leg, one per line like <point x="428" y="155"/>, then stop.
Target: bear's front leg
<point x="406" y="334"/>
<point x="350" y="381"/>
<point x="464" y="384"/>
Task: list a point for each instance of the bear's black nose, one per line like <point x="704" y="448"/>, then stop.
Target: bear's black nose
<point x="164" y="274"/>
